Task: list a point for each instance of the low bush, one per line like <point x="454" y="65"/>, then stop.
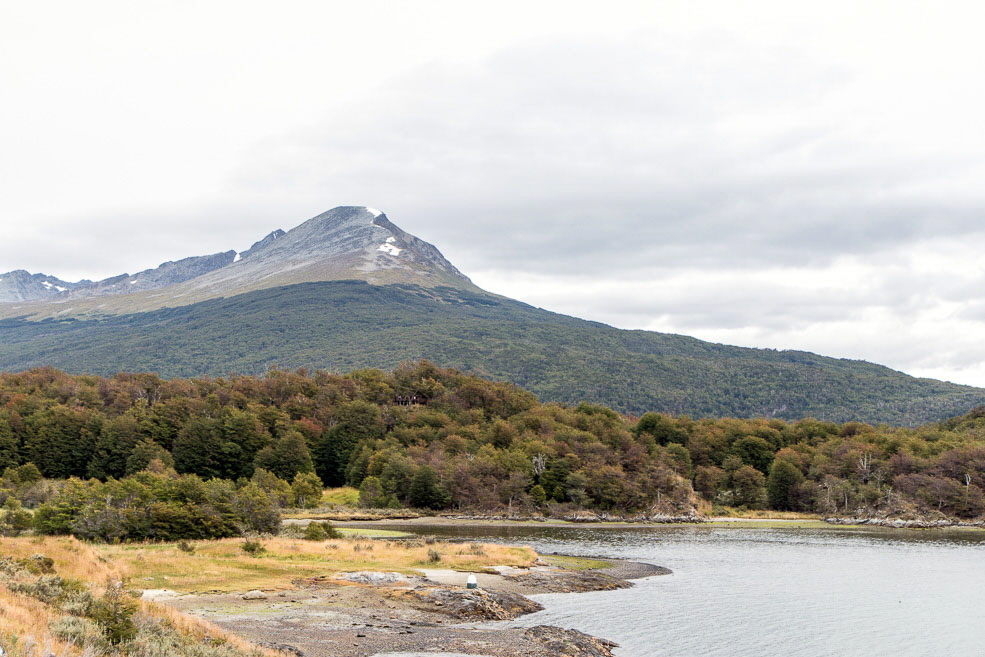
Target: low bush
<point x="252" y="547"/>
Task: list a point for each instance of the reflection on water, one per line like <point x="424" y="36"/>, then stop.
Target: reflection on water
<point x="737" y="592"/>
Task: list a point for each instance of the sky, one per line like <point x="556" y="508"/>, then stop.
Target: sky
<point x="788" y="175"/>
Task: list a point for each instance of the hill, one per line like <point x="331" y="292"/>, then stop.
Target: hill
<point x="343" y="325"/>
<point x="349" y="289"/>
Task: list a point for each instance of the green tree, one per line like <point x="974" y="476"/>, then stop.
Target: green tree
<point x="748" y="487"/>
<point x="307" y="489"/>
<point x="60" y="441"/>
<point x="371" y="493"/>
<point x="9" y="456"/>
<point x="783" y="480"/>
<point x="144" y="453"/>
<point x="356" y="421"/>
<point x="257" y="510"/>
<point x="202" y="449"/>
<point x="754" y="451"/>
<point x="426" y="491"/>
<point x="663" y="429"/>
<point x="117" y="439"/>
<point x="277" y="488"/>
<point x="287" y="457"/>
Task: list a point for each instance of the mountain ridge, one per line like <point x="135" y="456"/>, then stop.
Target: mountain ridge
<point x="348" y="289"/>
<point x="344" y="243"/>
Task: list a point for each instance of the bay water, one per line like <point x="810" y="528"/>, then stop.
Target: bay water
<point x="771" y="591"/>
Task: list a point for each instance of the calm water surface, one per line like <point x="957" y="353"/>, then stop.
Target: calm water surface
<point x="740" y="592"/>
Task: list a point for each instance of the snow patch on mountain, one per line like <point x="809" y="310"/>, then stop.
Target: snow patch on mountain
<point x="390" y="247"/>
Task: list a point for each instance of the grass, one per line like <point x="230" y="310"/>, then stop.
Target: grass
<point x="773" y="523"/>
<point x="368" y="532"/>
<point x="575" y="563"/>
<point x="222" y="565"/>
<point x="344" y="496"/>
<point x="26" y="623"/>
<point x="762" y="514"/>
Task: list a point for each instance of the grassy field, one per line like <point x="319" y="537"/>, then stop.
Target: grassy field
<point x="574" y="563"/>
<point x="759" y="514"/>
<point x="223" y="566"/>
<point x="26" y="622"/>
<point x="32" y="622"/>
<point x="345" y="496"/>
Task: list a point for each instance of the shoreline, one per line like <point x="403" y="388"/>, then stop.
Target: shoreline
<point x="831" y="523"/>
<point x="363" y="614"/>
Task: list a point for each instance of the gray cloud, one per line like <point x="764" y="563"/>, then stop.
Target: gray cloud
<point x="708" y="184"/>
<point x="573" y="156"/>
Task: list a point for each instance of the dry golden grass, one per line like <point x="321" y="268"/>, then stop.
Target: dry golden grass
<point x="766" y="514"/>
<point x="223" y="566"/>
<point x="219" y="566"/>
<point x="200" y="629"/>
<point x="72" y="557"/>
<point x="24" y="617"/>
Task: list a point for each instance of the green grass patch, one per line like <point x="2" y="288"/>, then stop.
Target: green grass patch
<point x="773" y="524"/>
<point x="367" y="532"/>
<point x="574" y="563"/>
<point x="344" y="496"/>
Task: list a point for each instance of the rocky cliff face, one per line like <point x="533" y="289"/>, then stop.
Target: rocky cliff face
<point x="20" y="285"/>
<point x="349" y="242"/>
<point x="345" y="242"/>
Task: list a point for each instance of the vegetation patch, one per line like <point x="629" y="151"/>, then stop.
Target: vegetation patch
<point x="575" y="563"/>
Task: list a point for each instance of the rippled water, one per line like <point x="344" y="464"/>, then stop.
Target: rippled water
<point x="743" y="592"/>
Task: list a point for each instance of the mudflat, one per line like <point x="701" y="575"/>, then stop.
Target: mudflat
<point x="359" y="614"/>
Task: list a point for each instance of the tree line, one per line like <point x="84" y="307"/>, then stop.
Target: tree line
<point x="137" y="440"/>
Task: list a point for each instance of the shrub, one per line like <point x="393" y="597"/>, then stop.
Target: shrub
<point x="82" y="632"/>
<point x="253" y="548"/>
<point x="114" y="613"/>
<point x="320" y="531"/>
<point x="307" y="490"/>
<point x="433" y="556"/>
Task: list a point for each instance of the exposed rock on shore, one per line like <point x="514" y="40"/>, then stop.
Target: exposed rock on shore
<point x="360" y="614"/>
<point x="476" y="604"/>
<point x="570" y="643"/>
<point x="905" y="523"/>
<point x="584" y="516"/>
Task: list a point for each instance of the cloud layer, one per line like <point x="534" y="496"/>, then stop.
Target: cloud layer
<point x="769" y="179"/>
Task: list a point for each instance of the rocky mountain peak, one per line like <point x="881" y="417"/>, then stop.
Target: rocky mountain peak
<point x="20" y="285"/>
<point x="345" y="243"/>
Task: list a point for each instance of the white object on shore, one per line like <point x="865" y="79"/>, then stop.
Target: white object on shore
<point x="472" y="582"/>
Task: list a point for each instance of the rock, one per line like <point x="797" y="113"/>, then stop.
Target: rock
<point x="158" y="594"/>
<point x="376" y="579"/>
<point x="283" y="647"/>
<point x="576" y="581"/>
<point x="478" y="604"/>
<point x="570" y="643"/>
<point x="255" y="595"/>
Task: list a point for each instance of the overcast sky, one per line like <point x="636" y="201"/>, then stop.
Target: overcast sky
<point x="788" y="175"/>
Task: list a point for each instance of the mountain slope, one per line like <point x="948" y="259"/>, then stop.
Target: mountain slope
<point x="349" y="289"/>
<point x="345" y="243"/>
<point x="343" y="325"/>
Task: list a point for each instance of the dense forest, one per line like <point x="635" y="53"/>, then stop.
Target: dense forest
<point x="135" y="456"/>
<point x="346" y="325"/>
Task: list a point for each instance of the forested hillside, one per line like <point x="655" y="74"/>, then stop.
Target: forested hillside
<point x="188" y="456"/>
<point x="340" y="326"/>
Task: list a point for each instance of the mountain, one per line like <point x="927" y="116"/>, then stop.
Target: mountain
<point x="349" y="289"/>
<point x="345" y="243"/>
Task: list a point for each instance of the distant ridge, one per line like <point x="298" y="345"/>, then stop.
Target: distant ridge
<point x="345" y="243"/>
<point x="349" y="289"/>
